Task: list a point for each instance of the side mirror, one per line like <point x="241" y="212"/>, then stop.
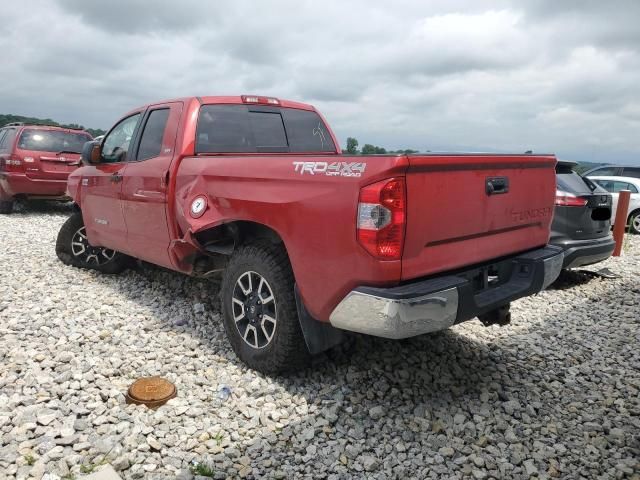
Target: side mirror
<point x="91" y="153"/>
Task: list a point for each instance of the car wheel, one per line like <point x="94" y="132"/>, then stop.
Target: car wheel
<point x="259" y="309"/>
<point x="634" y="222"/>
<point x="6" y="206"/>
<point x="73" y="248"/>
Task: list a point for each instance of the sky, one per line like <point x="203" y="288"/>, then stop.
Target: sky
<point x="464" y="75"/>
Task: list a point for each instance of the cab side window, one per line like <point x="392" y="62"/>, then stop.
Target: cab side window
<point x="152" y="135"/>
<point x="619" y="186"/>
<point x="116" y="144"/>
<point x="606" y="184"/>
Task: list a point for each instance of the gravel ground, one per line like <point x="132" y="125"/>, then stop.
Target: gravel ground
<point x="555" y="394"/>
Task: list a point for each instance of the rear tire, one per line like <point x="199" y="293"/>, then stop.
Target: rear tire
<point x="6" y="207"/>
<point x="634" y="222"/>
<point x="259" y="309"/>
<point x="73" y="248"/>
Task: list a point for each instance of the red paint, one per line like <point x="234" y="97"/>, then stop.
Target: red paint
<point x="449" y="219"/>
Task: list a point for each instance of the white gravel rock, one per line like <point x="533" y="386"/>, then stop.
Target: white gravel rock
<point x="554" y="394"/>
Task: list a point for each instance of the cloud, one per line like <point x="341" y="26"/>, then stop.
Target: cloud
<point x="456" y="74"/>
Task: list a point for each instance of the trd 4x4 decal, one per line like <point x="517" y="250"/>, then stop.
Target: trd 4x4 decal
<point x="333" y="169"/>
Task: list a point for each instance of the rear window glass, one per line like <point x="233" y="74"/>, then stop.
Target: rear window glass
<point x="268" y="129"/>
<point x="224" y="128"/>
<point x="307" y="132"/>
<point x="242" y="128"/>
<point x="574" y="183"/>
<point x="52" y="141"/>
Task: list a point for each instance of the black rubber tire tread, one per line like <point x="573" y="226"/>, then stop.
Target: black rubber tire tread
<point x="63" y="249"/>
<point x="287" y="350"/>
<point x="6" y="207"/>
<point x="633" y="214"/>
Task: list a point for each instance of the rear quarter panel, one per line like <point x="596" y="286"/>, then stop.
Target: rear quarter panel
<point x="314" y="214"/>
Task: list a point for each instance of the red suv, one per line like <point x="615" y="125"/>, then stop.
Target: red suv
<point x="35" y="161"/>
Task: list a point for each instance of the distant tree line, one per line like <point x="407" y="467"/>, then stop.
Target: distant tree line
<point x="9" y="118"/>
<point x="368" y="149"/>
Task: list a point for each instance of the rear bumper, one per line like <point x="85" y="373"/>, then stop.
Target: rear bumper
<point x="578" y="253"/>
<point x="437" y="303"/>
<point x="14" y="184"/>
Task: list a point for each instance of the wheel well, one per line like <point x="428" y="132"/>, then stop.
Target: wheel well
<point x="631" y="214"/>
<point x="219" y="243"/>
<point x="226" y="237"/>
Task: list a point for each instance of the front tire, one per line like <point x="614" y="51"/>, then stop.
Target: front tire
<point x="634" y="222"/>
<point x="73" y="248"/>
<point x="6" y="207"/>
<point x="259" y="309"/>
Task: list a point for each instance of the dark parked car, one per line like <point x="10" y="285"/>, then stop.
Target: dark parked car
<point x="615" y="171"/>
<point x="582" y="220"/>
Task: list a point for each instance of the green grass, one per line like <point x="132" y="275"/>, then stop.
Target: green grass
<point x="202" y="469"/>
<point x="29" y="459"/>
<point x="89" y="468"/>
<point x="218" y="438"/>
<point x="68" y="476"/>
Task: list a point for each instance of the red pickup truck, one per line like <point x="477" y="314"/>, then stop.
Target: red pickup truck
<point x="310" y="242"/>
<point x="35" y="161"/>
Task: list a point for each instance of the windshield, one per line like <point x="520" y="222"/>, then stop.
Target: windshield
<point x="52" y="140"/>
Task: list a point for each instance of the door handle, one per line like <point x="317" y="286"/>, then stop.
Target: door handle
<point x="115" y="178"/>
<point x="497" y="185"/>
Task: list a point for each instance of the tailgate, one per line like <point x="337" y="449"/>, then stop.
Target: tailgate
<point x="52" y="166"/>
<point x="467" y="209"/>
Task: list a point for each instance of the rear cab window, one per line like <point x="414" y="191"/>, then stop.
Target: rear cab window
<point x="39" y="140"/>
<point x="254" y="129"/>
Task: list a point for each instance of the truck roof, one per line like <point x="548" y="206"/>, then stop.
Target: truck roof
<point x="233" y="100"/>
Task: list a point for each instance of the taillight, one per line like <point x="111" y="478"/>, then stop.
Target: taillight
<point x="12" y="164"/>
<point x="382" y="217"/>
<point x="566" y="199"/>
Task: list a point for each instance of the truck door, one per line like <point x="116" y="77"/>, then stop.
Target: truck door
<point x="145" y="183"/>
<point x="101" y="188"/>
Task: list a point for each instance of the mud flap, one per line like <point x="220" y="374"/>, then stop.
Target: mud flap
<point x="319" y="336"/>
